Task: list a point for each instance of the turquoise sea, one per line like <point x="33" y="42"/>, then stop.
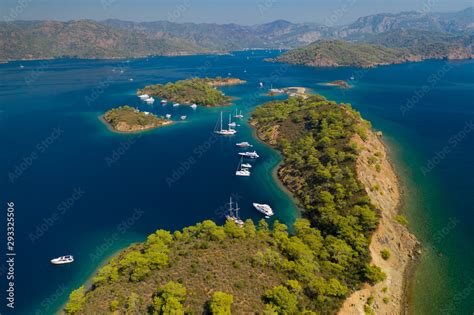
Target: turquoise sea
<point x="80" y="189"/>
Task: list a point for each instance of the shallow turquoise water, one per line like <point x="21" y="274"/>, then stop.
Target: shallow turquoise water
<point x="130" y="185"/>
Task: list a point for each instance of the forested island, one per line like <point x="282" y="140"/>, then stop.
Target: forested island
<point x="200" y="91"/>
<point x="129" y="119"/>
<point x="215" y="269"/>
<point x="339" y="53"/>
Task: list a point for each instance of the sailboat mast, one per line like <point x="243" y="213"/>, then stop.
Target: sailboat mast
<point x="230" y="206"/>
<point x="221" y="121"/>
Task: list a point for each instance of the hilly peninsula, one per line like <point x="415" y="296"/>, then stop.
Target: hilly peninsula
<point x="272" y="269"/>
<point x="379" y="50"/>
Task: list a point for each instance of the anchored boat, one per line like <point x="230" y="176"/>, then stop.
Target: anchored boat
<point x="62" y="260"/>
<point x="241" y="170"/>
<point x="238" y="115"/>
<point x="243" y="145"/>
<point x="222" y="131"/>
<point x="264" y="208"/>
<point x="252" y="155"/>
<point x="233" y="214"/>
<point x="150" y="100"/>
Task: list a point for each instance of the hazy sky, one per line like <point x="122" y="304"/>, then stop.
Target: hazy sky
<point x="218" y="11"/>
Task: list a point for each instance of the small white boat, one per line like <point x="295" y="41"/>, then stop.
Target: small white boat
<point x="247" y="165"/>
<point x="194" y="106"/>
<point x="176" y="104"/>
<point x="352" y="78"/>
<point x="62" y="260"/>
<point x="241" y="170"/>
<point x="168" y="116"/>
<point x="183" y="117"/>
<point x="150" y="100"/>
<point x="261" y="84"/>
<point x="144" y="96"/>
<point x="22" y="66"/>
<point x="264" y="208"/>
<point x="252" y="155"/>
<point x="232" y="124"/>
<point x="146" y="113"/>
<point x="164" y="102"/>
<point x="244" y="144"/>
<point x="131" y="79"/>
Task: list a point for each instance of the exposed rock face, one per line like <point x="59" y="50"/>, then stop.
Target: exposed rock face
<point x="383" y="189"/>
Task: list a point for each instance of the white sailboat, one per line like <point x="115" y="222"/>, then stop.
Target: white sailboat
<point x="194" y="106"/>
<point x="241" y="170"/>
<point x="222" y="131"/>
<point x="233" y="214"/>
<point x="238" y="115"/>
<point x="168" y="116"/>
<point x="144" y="96"/>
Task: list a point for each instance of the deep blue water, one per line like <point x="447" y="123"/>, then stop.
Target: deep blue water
<point x="83" y="190"/>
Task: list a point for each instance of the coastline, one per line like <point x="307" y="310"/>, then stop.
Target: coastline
<point x="373" y="65"/>
<point x="275" y="169"/>
<point x="391" y="295"/>
<point x="178" y="54"/>
<point x="88" y="282"/>
<point x="112" y="129"/>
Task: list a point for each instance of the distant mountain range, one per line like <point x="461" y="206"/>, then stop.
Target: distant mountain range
<point x="120" y="39"/>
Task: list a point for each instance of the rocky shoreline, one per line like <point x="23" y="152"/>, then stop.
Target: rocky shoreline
<point x="338" y="83"/>
<point x="382" y="186"/>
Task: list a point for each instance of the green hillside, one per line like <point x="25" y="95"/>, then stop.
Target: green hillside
<point x="217" y="269"/>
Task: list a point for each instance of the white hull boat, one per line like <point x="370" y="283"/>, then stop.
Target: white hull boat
<point x="150" y="100"/>
<point x="264" y="208"/>
<point x="243" y="145"/>
<point x="62" y="260"/>
<point x="224" y="132"/>
<point x="252" y="155"/>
